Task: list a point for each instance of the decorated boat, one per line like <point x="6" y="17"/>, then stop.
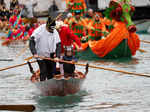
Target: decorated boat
<point x="122" y="41"/>
<point x="59" y="85"/>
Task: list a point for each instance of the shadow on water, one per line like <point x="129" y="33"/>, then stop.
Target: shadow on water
<point x="56" y="102"/>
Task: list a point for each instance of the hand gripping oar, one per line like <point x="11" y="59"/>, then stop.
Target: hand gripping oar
<point x="92" y="66"/>
<point x="25" y="108"/>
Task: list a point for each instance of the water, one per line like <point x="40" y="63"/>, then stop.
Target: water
<point x="103" y="91"/>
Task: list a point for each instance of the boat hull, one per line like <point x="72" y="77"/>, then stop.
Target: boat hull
<point x="121" y="51"/>
<point x="61" y="87"/>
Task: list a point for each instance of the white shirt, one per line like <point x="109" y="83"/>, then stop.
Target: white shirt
<point x="45" y="41"/>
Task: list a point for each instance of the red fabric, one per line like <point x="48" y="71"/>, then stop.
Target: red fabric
<point x="67" y="37"/>
<point x="12" y="19"/>
<point x="30" y="31"/>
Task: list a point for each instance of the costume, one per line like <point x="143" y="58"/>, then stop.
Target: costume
<point x="78" y="26"/>
<point x="67" y="37"/>
<point x="75" y="5"/>
<point x="96" y="29"/>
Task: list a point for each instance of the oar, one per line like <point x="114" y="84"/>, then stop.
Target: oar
<point x="14" y="66"/>
<point x="22" y="50"/>
<point x="142" y="50"/>
<point x="6" y="59"/>
<point x="92" y="66"/>
<point x="145" y="41"/>
<point x="140" y="22"/>
<point x="26" y="108"/>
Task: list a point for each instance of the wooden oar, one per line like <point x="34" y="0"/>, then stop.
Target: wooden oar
<point x="92" y="66"/>
<point x="6" y="59"/>
<point x="142" y="50"/>
<point x="142" y="21"/>
<point x="14" y="66"/>
<point x="145" y="41"/>
<point x="26" y="108"/>
<point x="22" y="50"/>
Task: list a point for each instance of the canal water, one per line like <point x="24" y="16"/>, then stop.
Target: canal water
<point x="102" y="91"/>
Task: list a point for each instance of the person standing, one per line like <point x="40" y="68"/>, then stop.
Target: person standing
<point x="77" y="25"/>
<point x="68" y="39"/>
<point x="45" y="42"/>
<point x="13" y="4"/>
<point x="30" y="5"/>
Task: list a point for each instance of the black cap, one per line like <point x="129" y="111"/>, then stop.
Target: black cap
<point x="50" y="22"/>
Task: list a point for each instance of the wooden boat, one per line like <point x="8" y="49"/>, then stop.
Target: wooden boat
<point x="60" y="85"/>
<point x="121" y="41"/>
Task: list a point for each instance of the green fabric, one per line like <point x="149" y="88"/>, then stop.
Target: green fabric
<point x="121" y="51"/>
<point x="94" y="38"/>
<point x="79" y="34"/>
<point x="126" y="14"/>
<point x="77" y="5"/>
<point x="110" y="27"/>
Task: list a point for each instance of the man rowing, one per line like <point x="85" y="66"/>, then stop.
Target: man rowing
<point x="45" y="42"/>
<point x="68" y="39"/>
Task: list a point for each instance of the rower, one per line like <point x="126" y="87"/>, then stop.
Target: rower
<point x="68" y="38"/>
<point x="45" y="43"/>
<point x="96" y="28"/>
<point x="69" y="69"/>
<point x="77" y="24"/>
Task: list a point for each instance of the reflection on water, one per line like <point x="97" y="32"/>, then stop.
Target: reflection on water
<point x="55" y="102"/>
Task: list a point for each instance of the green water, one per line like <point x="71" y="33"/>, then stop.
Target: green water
<point x="102" y="91"/>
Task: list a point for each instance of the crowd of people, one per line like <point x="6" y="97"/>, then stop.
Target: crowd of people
<point x="14" y="24"/>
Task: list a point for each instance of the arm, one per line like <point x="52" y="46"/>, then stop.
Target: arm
<point x="58" y="45"/>
<point x="32" y="45"/>
<point x="74" y="37"/>
<point x="58" y="49"/>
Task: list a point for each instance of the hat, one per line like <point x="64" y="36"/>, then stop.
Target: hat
<point x="50" y="22"/>
<point x="77" y="12"/>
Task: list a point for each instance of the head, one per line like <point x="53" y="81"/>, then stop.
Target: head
<point x="69" y="15"/>
<point x="50" y="24"/>
<point x="59" y="24"/>
<point x="77" y="14"/>
<point x="90" y="12"/>
<point x="68" y="51"/>
<point x="121" y="10"/>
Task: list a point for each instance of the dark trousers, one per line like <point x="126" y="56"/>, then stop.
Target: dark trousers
<point x="47" y="69"/>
